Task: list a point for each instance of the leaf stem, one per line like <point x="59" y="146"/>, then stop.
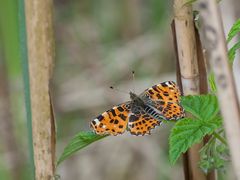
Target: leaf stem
<point x="220" y="138"/>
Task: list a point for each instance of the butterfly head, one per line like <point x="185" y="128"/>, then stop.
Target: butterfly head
<point x="133" y="96"/>
<point x="136" y="100"/>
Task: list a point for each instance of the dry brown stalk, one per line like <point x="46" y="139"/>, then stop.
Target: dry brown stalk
<point x="203" y="85"/>
<point x="187" y="56"/>
<point x="40" y="41"/>
<point x="217" y="56"/>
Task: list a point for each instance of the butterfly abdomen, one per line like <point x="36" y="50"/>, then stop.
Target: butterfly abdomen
<point x="153" y="112"/>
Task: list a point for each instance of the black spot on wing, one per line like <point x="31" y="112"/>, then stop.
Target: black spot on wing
<point x="150" y="91"/>
<point x="165" y="93"/>
<point x="128" y="106"/>
<point x="172" y="83"/>
<point x="145" y="116"/>
<point x="120" y="109"/>
<point x="100" y="117"/>
<point x="155" y="88"/>
<point x="111" y="121"/>
<point x="159" y="96"/>
<point x="133" y="118"/>
<point x="122" y="117"/>
<point x="113" y="112"/>
<point x="164" y="84"/>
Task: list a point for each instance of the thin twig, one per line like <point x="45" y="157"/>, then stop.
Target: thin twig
<point x="220" y="138"/>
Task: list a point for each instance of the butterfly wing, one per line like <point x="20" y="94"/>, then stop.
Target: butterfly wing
<point x="140" y="123"/>
<point x="112" y="122"/>
<point x="165" y="97"/>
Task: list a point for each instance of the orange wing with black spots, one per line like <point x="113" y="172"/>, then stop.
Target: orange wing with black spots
<point x="166" y="91"/>
<point x="113" y="121"/>
<point x="165" y="97"/>
<point x="141" y="124"/>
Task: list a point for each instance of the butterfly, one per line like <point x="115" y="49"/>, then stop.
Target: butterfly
<point x="143" y="113"/>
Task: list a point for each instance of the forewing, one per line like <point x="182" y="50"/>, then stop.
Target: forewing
<point x="141" y="123"/>
<point x="112" y="122"/>
<point x="165" y="97"/>
<point x="166" y="91"/>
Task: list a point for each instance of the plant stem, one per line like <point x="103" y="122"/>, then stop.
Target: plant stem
<point x="26" y="81"/>
<point x="220" y="138"/>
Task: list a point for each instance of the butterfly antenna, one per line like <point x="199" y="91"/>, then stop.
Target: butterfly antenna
<point x="133" y="77"/>
<point x="119" y="90"/>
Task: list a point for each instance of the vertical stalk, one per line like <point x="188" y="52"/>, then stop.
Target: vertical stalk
<point x="203" y="85"/>
<point x="39" y="20"/>
<point x="187" y="56"/>
<point x="236" y="65"/>
<point x="215" y="44"/>
<point x="24" y="61"/>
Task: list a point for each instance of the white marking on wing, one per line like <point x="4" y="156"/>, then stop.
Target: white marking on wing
<point x="97" y="121"/>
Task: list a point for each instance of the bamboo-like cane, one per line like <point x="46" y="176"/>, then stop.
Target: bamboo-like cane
<point x="188" y="63"/>
<point x="40" y="41"/>
<point x="217" y="55"/>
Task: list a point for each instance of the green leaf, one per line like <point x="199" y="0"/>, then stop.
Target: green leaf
<point x="189" y="2"/>
<point x="26" y="78"/>
<point x="202" y="107"/>
<point x="211" y="80"/>
<point x="234" y="30"/>
<point x="80" y="141"/>
<point x="187" y="132"/>
<point x="232" y="52"/>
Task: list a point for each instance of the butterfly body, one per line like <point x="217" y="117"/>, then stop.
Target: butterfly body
<point x="139" y="103"/>
<point x="143" y="113"/>
<point x="136" y="99"/>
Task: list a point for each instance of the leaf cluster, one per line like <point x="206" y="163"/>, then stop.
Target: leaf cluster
<point x="213" y="155"/>
<point x="189" y="131"/>
<point x="205" y="120"/>
<point x="234" y="31"/>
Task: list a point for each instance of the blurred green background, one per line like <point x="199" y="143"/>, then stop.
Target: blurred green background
<point x="98" y="44"/>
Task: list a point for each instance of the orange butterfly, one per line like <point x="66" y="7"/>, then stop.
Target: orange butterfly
<point x="143" y="112"/>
